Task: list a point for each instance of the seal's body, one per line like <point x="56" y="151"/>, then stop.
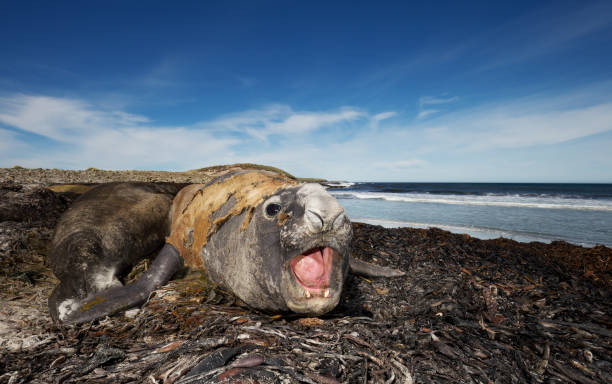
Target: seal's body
<point x="102" y="235"/>
<point x="276" y="244"/>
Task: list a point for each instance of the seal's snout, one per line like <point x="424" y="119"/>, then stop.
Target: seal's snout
<point x="318" y="222"/>
<point x="322" y="211"/>
<point x="317" y="241"/>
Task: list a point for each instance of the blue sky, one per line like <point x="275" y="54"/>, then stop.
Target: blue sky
<point x="364" y="91"/>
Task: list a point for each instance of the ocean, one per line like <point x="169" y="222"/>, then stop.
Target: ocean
<point x="577" y="213"/>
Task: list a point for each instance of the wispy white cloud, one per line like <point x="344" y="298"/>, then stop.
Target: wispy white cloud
<point x="283" y="120"/>
<point x="518" y="126"/>
<point x="426" y="112"/>
<point x="384" y="116"/>
<point x="426" y="101"/>
<point x="548" y="128"/>
<point x="165" y="73"/>
<point x="390" y="74"/>
<point x="61" y="119"/>
<point x="429" y="100"/>
<point x="246" y="81"/>
<point x="377" y="118"/>
<point x="104" y="138"/>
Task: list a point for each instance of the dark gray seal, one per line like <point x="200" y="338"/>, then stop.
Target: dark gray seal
<point x="277" y="245"/>
<point x="102" y="236"/>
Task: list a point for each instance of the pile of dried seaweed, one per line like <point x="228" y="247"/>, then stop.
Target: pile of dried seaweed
<point x="468" y="311"/>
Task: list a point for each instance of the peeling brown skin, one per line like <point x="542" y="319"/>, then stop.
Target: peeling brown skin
<point x="221" y="227"/>
<point x="194" y="211"/>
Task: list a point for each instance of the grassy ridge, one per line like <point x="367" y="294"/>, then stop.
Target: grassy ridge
<point x="95" y="176"/>
<point x="216" y="168"/>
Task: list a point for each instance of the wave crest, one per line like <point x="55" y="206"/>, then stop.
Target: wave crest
<point x="541" y="202"/>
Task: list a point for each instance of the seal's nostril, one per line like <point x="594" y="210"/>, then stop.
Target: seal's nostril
<point x="339" y="220"/>
<point x="315" y="220"/>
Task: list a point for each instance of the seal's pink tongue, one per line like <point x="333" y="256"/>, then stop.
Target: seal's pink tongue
<point x="312" y="268"/>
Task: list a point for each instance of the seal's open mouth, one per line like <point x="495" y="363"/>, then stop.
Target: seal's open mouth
<point x="312" y="270"/>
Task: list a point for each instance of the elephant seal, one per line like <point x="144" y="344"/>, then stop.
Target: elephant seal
<point x="276" y="244"/>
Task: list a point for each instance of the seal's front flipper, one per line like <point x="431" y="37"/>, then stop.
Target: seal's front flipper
<point x="362" y="268"/>
<point x="116" y="299"/>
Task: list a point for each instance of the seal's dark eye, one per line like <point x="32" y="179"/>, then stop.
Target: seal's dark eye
<point x="273" y="209"/>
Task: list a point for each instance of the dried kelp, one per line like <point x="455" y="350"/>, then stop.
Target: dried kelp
<point x="467" y="311"/>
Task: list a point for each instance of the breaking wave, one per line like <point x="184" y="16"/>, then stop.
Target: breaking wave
<point x="495" y="200"/>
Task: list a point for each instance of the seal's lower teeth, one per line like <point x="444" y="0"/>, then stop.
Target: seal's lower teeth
<point x="307" y="294"/>
<point x="326" y="293"/>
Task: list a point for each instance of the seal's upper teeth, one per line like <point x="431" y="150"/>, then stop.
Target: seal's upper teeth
<point x="326" y="293"/>
<point x="307" y="294"/>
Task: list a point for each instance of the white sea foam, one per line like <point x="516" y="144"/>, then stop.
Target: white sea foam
<point x="338" y="184"/>
<point x="545" y="202"/>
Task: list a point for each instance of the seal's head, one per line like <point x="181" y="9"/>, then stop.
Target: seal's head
<point x="313" y="246"/>
<point x="276" y="244"/>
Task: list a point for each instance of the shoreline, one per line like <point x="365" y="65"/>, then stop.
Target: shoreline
<point x="581" y="215"/>
<point x="476" y="232"/>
